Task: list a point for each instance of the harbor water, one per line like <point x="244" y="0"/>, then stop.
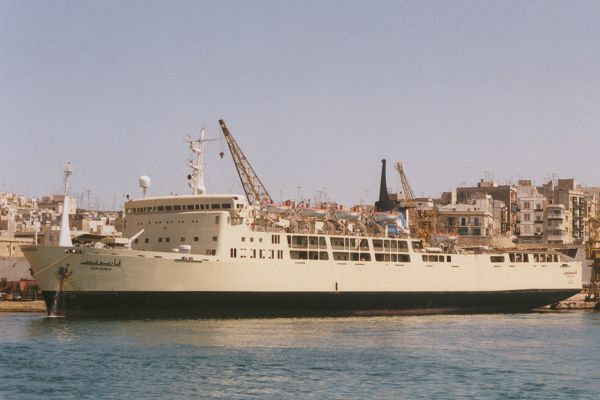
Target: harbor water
<point x="521" y="356"/>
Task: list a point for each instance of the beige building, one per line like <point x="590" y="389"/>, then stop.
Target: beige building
<point x="566" y="192"/>
<point x="557" y="225"/>
<point x="507" y="194"/>
<point x="474" y="219"/>
<point x="530" y="214"/>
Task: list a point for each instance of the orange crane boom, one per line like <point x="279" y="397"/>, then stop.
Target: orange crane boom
<point x="253" y="187"/>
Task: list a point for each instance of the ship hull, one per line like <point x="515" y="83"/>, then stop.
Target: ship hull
<point x="279" y="304"/>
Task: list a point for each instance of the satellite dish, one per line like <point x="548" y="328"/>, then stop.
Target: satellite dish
<point x="144" y="183"/>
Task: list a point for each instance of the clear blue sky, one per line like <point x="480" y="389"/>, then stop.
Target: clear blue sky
<point x="315" y="92"/>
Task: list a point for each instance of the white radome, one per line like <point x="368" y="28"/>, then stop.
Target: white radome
<point x="144" y="181"/>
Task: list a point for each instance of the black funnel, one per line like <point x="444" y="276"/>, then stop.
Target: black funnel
<point x="384" y="203"/>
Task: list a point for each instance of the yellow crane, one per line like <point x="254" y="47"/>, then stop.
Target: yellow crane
<point x="593" y="253"/>
<point x="255" y="191"/>
<point x="421" y="217"/>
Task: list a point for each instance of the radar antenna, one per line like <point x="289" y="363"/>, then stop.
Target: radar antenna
<point x="253" y="187"/>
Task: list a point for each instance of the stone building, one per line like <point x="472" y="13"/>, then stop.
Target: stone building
<point x="530" y="214"/>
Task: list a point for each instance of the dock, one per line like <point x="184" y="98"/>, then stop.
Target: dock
<point x="35" y="306"/>
<point x="576" y="302"/>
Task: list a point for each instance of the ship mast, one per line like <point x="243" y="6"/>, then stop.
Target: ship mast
<point x="64" y="238"/>
<point x="196" y="178"/>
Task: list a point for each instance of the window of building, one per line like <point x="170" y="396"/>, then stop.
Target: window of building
<point x="159" y="240"/>
<point x="214" y="238"/>
<point x="167" y="239"/>
<point x="196" y="238"/>
<point x="146" y="240"/>
<point x="182" y="239"/>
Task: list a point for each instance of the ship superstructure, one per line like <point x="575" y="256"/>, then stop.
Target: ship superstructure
<point x="208" y="254"/>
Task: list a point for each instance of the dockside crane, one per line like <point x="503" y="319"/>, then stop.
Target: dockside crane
<point x="422" y="219"/>
<point x="253" y="187"/>
<point x="593" y="253"/>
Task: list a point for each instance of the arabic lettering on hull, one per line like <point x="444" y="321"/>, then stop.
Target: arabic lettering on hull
<point x="114" y="263"/>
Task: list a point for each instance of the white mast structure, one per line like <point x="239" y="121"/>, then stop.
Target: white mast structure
<point x="64" y="238"/>
<point x="196" y="178"/>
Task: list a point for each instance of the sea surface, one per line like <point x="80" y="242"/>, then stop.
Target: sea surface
<point x="501" y="356"/>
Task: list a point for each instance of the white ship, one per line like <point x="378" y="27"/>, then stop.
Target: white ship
<point x="218" y="255"/>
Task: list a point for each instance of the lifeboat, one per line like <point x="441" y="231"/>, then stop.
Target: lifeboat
<point x="282" y="209"/>
<point x="385" y="217"/>
<point x="347" y="215"/>
<point x="312" y="212"/>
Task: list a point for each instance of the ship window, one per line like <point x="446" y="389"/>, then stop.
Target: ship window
<point x="233" y="253"/>
<point x="322" y="242"/>
<point x="424" y="257"/>
<point x="260" y="254"/>
<point x="337" y="243"/>
<point x="167" y="239"/>
<point x="161" y="208"/>
<point x="196" y="238"/>
<point x="403" y="258"/>
<point x="197" y="206"/>
<point x="299" y="242"/>
<point x="279" y="254"/>
<point x="402" y="246"/>
<point x="217" y="220"/>
<point x="243" y="238"/>
<point x="323" y="255"/>
<point x="271" y="253"/>
<point x="511" y="257"/>
<point x="182" y="239"/>
<point x="525" y="257"/>
<point x="215" y="206"/>
<point x="169" y="208"/>
<point x="252" y="239"/>
<point x="226" y="205"/>
<point x="253" y="253"/>
<point x="259" y="240"/>
<point x="190" y="207"/>
<point x="214" y="238"/>
<point x="377" y="245"/>
<point x="275" y="239"/>
<point x="555" y="257"/>
<point x="448" y="258"/>
<point x="340" y="256"/>
<point x="350" y="243"/>
<point x="136" y="241"/>
<point x="298" y="255"/>
<point x="497" y="259"/>
<point x="146" y="240"/>
<point x="159" y="240"/>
